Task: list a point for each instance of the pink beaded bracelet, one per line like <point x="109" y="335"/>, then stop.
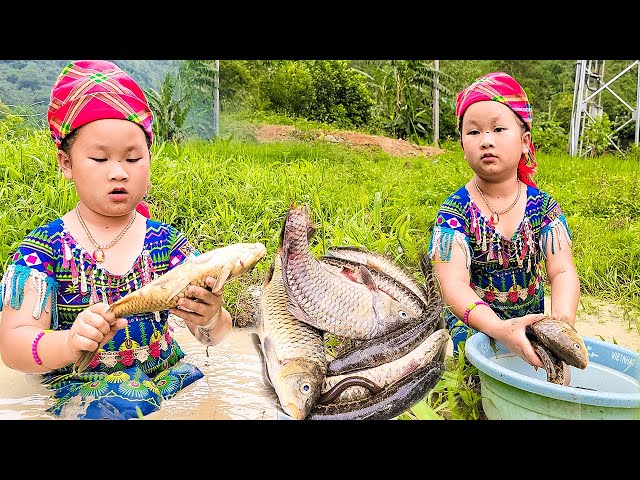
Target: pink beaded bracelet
<point x="34" y="346"/>
<point x="471" y="307"/>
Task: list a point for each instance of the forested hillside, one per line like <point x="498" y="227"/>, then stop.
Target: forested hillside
<point x="25" y="84"/>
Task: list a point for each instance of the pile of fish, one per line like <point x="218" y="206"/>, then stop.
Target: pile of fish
<point x="394" y="323"/>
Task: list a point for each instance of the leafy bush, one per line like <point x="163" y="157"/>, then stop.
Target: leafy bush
<point x="321" y="90"/>
<point x="598" y="135"/>
<point x="549" y="137"/>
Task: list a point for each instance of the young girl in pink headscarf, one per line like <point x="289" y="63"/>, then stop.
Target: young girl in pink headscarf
<point x="56" y="291"/>
<point x="492" y="235"/>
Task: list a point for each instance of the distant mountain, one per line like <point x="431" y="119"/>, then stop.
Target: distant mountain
<point x="25" y="85"/>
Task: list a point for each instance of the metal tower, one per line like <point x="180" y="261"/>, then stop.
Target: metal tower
<point x="587" y="104"/>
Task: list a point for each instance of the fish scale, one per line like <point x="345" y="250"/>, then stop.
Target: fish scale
<point x="385" y="282"/>
<point x="378" y="262"/>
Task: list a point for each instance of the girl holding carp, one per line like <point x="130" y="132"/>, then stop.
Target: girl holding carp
<point x="493" y="234"/>
<point x="56" y="292"/>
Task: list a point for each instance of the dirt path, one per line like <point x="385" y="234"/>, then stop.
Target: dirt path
<point x="392" y="146"/>
<point x="608" y="322"/>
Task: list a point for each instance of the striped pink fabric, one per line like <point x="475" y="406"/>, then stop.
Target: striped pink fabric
<point x="501" y="87"/>
<point x="89" y="90"/>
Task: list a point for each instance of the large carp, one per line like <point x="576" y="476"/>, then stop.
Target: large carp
<point x="292" y="352"/>
<point x="223" y="263"/>
<point x="388" y="347"/>
<point x="332" y="302"/>
<point x="431" y="349"/>
<point x="559" y="346"/>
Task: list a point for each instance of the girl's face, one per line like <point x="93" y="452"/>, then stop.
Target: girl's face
<point x="493" y="139"/>
<point x="110" y="164"/>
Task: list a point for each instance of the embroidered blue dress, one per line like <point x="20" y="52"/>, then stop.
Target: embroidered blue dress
<point x="504" y="272"/>
<point x="130" y="375"/>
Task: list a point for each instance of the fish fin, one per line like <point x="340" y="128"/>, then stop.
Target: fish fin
<point x="258" y="345"/>
<point x="367" y="278"/>
<point x="298" y="313"/>
<point x="350" y="273"/>
<point x="179" y="283"/>
<point x="83" y="362"/>
<point x="431" y="286"/>
<point x="269" y="275"/>
<point x="222" y="277"/>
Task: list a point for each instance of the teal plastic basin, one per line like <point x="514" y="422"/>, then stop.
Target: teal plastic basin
<point x="511" y="389"/>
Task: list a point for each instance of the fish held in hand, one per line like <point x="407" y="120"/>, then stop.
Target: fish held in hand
<point x="332" y="302"/>
<point x="559" y="346"/>
<point x="292" y="352"/>
<point x="223" y="263"/>
<point x="563" y="339"/>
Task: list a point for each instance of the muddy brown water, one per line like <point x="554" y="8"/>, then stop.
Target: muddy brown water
<point x="232" y="387"/>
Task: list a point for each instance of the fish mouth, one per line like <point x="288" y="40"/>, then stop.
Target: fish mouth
<point x="294" y="412"/>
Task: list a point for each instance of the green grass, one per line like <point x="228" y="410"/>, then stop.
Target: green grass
<point x="236" y="190"/>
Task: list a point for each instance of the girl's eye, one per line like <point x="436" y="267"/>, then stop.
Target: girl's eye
<point x="499" y="129"/>
<point x="133" y="160"/>
<point x="99" y="160"/>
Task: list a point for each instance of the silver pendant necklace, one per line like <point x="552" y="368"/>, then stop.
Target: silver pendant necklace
<point x="98" y="254"/>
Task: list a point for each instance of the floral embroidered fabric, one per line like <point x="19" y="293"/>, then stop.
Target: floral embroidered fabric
<point x="132" y="373"/>
<point x="504" y="272"/>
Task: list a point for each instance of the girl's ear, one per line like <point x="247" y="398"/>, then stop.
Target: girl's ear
<point x="526" y="139"/>
<point x="64" y="162"/>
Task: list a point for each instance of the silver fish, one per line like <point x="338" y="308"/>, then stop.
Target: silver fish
<point x="433" y="348"/>
<point x="386" y="348"/>
<point x="224" y="263"/>
<point x="390" y="402"/>
<point x="384" y="282"/>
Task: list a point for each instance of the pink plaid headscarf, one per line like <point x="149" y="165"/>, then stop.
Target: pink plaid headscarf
<point x="500" y="87"/>
<point x="89" y="90"/>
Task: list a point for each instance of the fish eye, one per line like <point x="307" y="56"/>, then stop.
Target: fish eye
<point x="576" y="346"/>
<point x="305" y="387"/>
<point x="402" y="314"/>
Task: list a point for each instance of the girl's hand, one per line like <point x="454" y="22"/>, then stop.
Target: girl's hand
<point x="512" y="334"/>
<point x="205" y="309"/>
<point x="94" y="326"/>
